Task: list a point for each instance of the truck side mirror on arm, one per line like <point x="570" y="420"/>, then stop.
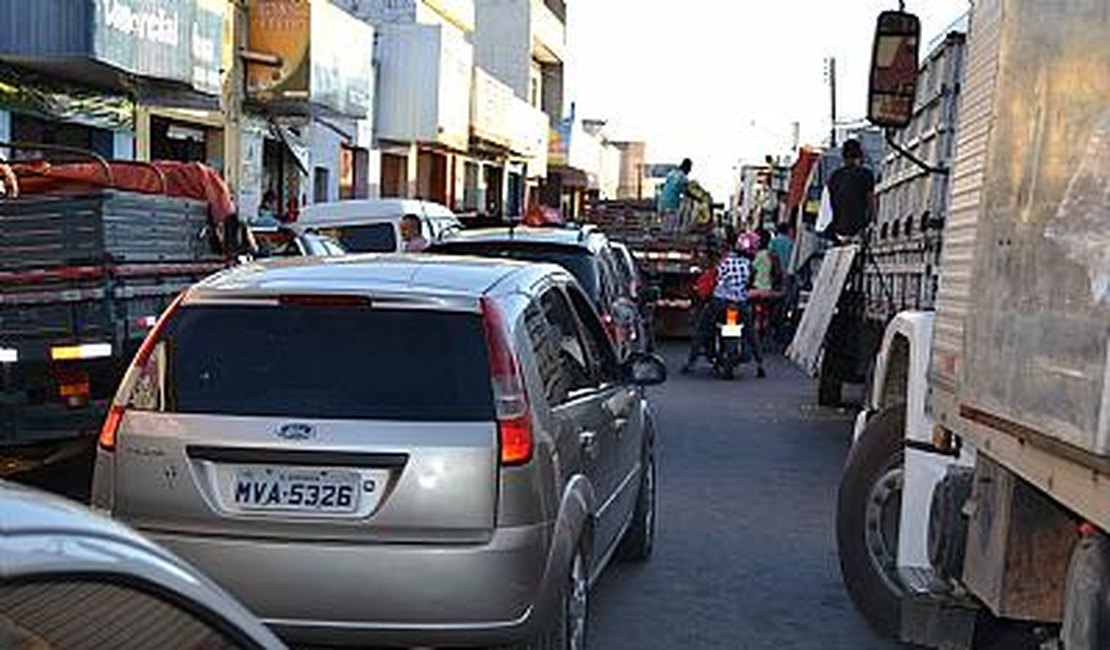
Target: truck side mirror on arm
<point x="893" y="88"/>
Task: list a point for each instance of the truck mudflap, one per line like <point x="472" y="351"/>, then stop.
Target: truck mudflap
<point x="932" y="617"/>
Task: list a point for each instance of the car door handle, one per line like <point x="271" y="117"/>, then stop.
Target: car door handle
<point x="588" y="440"/>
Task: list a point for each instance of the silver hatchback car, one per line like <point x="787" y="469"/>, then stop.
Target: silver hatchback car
<point x="389" y="450"/>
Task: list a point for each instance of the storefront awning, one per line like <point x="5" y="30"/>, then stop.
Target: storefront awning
<point x="570" y="177"/>
<point x="26" y="92"/>
<point x="294" y="143"/>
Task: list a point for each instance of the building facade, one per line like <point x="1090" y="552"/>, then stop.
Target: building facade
<point x="424" y="62"/>
<point x="522" y="43"/>
<point x="79" y="74"/>
<point x="266" y="92"/>
<point x="305" y="122"/>
<point x="633" y="157"/>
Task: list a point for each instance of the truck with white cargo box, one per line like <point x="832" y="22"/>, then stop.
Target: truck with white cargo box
<point x="897" y="268"/>
<point x="976" y="490"/>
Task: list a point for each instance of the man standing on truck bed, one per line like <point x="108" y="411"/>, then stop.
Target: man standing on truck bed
<point x="848" y="202"/>
<point x="674" y="189"/>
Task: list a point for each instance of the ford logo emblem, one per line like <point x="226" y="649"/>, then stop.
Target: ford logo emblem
<point x="296" y="431"/>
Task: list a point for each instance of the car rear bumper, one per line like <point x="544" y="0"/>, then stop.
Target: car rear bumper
<point x="403" y="594"/>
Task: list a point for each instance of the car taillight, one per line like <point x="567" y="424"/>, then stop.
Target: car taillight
<point x="110" y="431"/>
<point x="514" y="421"/>
<point x="732" y="316"/>
<point x="111" y="427"/>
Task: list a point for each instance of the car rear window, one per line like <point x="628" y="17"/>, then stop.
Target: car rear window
<point x="577" y="261"/>
<point x="369" y="238"/>
<point x="328" y="361"/>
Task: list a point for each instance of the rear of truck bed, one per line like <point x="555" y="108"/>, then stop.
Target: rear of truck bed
<point x="82" y="279"/>
<point x="669" y="261"/>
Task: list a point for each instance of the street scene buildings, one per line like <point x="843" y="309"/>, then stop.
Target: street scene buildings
<point x="460" y="102"/>
<point x="382" y="323"/>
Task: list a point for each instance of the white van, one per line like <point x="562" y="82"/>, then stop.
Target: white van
<point x="373" y="225"/>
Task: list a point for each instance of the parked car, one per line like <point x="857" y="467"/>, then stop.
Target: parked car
<point x="374" y="225"/>
<point x="284" y="241"/>
<point x="75" y="580"/>
<point x="638" y="290"/>
<point x="583" y="251"/>
<point x="408" y="450"/>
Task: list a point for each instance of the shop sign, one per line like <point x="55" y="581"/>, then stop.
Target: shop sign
<point x="324" y="55"/>
<point x="177" y="40"/>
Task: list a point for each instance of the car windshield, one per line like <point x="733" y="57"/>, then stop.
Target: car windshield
<point x="368" y="238"/>
<point x="578" y="261"/>
<point x="328" y="361"/>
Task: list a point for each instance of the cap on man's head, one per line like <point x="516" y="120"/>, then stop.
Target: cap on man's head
<point x="852" y="150"/>
<point x="686" y="165"/>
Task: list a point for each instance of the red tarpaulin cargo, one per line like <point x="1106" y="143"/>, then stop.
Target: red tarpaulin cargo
<point x="189" y="180"/>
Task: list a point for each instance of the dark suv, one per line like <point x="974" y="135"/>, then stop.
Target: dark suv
<point x="583" y="251"/>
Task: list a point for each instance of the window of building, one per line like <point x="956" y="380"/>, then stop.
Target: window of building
<point x="320" y="179"/>
<point x="354" y="164"/>
<point x="174" y="140"/>
<point x="26" y="128"/>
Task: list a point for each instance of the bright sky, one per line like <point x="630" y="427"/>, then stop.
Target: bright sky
<point x="723" y="80"/>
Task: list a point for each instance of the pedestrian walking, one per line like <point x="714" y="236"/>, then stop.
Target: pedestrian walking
<point x="782" y="245"/>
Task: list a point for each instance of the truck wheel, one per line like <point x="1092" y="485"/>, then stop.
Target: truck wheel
<point x="1087" y="596"/>
<point x="867" y="520"/>
<point x="829" y="384"/>
<point x="639" y="539"/>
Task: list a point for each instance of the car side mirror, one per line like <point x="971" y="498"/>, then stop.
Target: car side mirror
<point x="893" y="88"/>
<point x="644" y="369"/>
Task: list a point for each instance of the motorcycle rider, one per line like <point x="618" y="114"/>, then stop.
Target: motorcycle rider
<point x="734" y="276"/>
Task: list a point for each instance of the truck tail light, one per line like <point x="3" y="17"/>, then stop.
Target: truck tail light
<point x="73" y="385"/>
<point x="109" y="432"/>
<point x="83" y="351"/>
<point x="514" y="420"/>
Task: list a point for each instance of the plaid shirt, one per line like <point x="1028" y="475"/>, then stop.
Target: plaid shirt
<point x="732" y="279"/>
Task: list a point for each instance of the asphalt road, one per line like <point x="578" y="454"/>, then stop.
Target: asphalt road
<point x="745" y="555"/>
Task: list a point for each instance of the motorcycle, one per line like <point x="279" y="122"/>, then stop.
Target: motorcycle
<point x="729" y="350"/>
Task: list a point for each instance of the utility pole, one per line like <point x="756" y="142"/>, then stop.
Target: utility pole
<point x="232" y="99"/>
<point x="830" y="76"/>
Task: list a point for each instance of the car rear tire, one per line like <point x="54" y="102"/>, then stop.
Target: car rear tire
<point x="568" y="630"/>
<point x="639" y="539"/>
<point x="868" y="519"/>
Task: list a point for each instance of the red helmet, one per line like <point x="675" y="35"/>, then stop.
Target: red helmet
<point x="747" y="243"/>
